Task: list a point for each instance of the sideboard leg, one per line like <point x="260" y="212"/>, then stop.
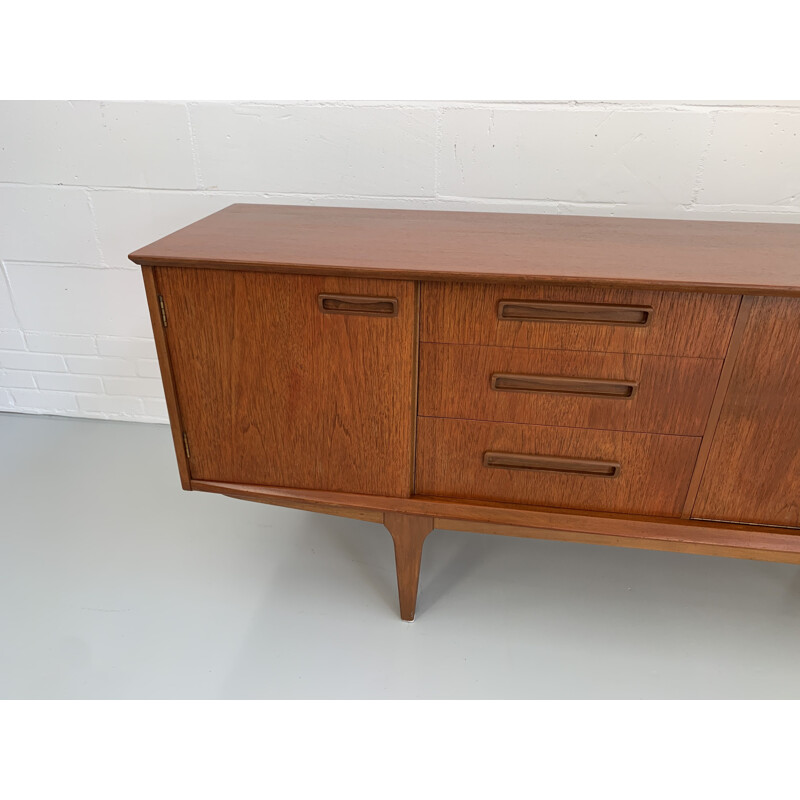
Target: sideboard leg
<point x="408" y="532"/>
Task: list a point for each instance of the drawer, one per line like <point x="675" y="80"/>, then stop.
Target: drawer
<point x="578" y="318"/>
<point x="627" y="473"/>
<point x="615" y="391"/>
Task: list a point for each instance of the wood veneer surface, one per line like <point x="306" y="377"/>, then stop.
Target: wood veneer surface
<point x="672" y="395"/>
<point x="681" y="324"/>
<point x="753" y="468"/>
<point x="167" y="378"/>
<point x="736" y="257"/>
<point x="274" y="391"/>
<point x="653" y="477"/>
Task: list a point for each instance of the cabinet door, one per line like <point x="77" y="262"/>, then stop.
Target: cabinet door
<point x="293" y="380"/>
<point x="753" y="469"/>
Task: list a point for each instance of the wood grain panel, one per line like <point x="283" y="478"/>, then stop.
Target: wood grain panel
<point x="753" y="468"/>
<point x="731" y="257"/>
<point x="716" y="406"/>
<point x="680" y="324"/>
<point x="167" y="379"/>
<point x="654" y="470"/>
<point x="670" y="395"/>
<point x="275" y="391"/>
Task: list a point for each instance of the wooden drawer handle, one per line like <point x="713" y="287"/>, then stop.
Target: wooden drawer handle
<point x="568" y="466"/>
<point x="555" y="384"/>
<point x="351" y="304"/>
<point x="588" y="313"/>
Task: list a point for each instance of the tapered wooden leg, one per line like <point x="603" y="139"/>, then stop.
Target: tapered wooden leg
<point x="409" y="532"/>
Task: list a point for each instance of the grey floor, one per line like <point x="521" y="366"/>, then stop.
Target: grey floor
<point x="116" y="584"/>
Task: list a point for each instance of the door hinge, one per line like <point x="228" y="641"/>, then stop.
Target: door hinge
<point x="163" y="309"/>
<point x="186" y="445"/>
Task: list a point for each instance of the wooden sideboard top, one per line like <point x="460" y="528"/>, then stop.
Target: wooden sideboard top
<point x="736" y="257"/>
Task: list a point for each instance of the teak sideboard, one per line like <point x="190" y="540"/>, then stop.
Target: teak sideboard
<point x="614" y="381"/>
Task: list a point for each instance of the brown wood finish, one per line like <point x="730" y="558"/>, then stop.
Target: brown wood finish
<point x="678" y="535"/>
<point x="408" y="533"/>
<point x="680" y="324"/>
<point x="753" y="468"/>
<point x="732" y="257"/>
<point x="167" y="378"/>
<point x="716" y="407"/>
<point x="274" y="391"/>
<point x="557" y="384"/>
<point x="361" y="306"/>
<point x="580" y="379"/>
<point x="652" y="479"/>
<point x="415" y="390"/>
<point x="583" y="313"/>
<point x="643" y="543"/>
<point x="565" y="466"/>
<point x="658" y="394"/>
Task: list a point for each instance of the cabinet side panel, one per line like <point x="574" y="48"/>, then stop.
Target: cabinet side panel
<point x="753" y="469"/>
<point x="199" y="333"/>
<point x="283" y="383"/>
<point x="167" y="377"/>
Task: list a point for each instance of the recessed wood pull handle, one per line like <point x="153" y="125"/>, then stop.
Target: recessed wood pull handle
<point x="588" y="313"/>
<point x="567" y="466"/>
<point x="555" y="384"/>
<point x="352" y="304"/>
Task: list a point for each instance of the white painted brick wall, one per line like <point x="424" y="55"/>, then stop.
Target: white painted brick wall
<point x="83" y="184"/>
<point x="76" y="300"/>
<point x="45" y="223"/>
<point x="336" y="150"/>
<point x="97" y="144"/>
<point x="583" y="155"/>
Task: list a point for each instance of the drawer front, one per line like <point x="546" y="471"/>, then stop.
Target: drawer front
<point x="627" y="473"/>
<point x="578" y="318"/>
<point x="614" y="391"/>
